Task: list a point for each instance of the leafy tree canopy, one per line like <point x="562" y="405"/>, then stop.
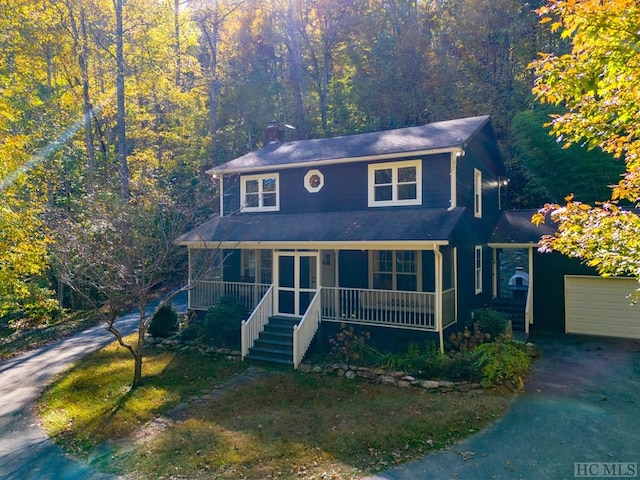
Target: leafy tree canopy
<point x="599" y="83"/>
<point x="552" y="170"/>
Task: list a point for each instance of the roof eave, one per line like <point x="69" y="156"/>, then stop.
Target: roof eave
<point x="322" y="245"/>
<point x="220" y="169"/>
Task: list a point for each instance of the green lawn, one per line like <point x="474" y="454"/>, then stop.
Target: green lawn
<point x="287" y="425"/>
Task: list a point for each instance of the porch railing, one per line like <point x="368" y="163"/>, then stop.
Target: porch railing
<point x="304" y="332"/>
<point x="390" y="308"/>
<point x="251" y="328"/>
<point x="204" y="294"/>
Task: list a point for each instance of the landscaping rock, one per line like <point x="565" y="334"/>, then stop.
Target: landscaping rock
<point x="350" y="374"/>
<point x="304" y="368"/>
<point x="366" y="374"/>
<point x="430" y="384"/>
<point x="388" y="379"/>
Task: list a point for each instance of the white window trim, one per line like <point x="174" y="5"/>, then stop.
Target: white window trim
<point x="307" y="179"/>
<point x="260" y="208"/>
<point x="477" y="193"/>
<point x="477" y="269"/>
<point x="395" y="166"/>
<point x="394" y="278"/>
<point x="257" y="269"/>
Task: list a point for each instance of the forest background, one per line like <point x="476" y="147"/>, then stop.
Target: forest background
<point x="111" y="111"/>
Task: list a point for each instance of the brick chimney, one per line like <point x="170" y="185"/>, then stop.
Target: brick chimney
<point x="273" y="133"/>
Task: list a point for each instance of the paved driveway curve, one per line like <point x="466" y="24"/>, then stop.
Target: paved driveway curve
<point x="25" y="450"/>
<point x="582" y="404"/>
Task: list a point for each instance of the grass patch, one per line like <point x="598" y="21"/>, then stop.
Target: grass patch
<point x="14" y="341"/>
<point x="92" y="402"/>
<point x="289" y="425"/>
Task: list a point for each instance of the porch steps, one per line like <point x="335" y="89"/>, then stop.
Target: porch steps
<point x="275" y="343"/>
<point x="513" y="309"/>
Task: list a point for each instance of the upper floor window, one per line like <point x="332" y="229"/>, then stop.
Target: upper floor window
<point x="395" y="183"/>
<point x="260" y="193"/>
<point x="477" y="193"/>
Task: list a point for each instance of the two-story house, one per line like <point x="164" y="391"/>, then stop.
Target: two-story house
<point x="386" y="229"/>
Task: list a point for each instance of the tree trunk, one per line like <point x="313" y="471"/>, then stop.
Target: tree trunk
<point x="86" y="102"/>
<point x="176" y="31"/>
<point x="120" y="100"/>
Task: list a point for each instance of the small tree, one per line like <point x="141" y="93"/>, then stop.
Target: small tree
<point x="117" y="256"/>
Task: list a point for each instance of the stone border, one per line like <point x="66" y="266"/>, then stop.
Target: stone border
<point x="393" y="378"/>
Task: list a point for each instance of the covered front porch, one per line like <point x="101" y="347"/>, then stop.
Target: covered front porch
<point x="398" y="289"/>
<point x="387" y="268"/>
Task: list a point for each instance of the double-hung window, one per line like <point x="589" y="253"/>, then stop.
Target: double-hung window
<point x="395" y="183"/>
<point x="477" y="193"/>
<point x="478" y="269"/>
<point x="394" y="270"/>
<point x="260" y="193"/>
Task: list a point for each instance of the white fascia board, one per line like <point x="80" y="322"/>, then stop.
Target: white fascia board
<point x="332" y="161"/>
<point x="356" y="245"/>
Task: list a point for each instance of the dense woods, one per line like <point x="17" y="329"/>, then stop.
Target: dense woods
<point x="111" y="110"/>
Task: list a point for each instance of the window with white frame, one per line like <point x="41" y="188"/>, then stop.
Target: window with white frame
<point x="395" y="183"/>
<point x="394" y="270"/>
<point x="477" y="193"/>
<point x="260" y="192"/>
<point x="478" y="269"/>
<point x="266" y="266"/>
<point x="257" y="266"/>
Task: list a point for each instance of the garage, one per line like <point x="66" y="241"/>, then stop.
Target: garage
<point x="601" y="306"/>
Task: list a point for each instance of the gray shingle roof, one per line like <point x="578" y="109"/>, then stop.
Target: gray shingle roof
<point x="515" y="227"/>
<point x="448" y="134"/>
<point x="374" y="225"/>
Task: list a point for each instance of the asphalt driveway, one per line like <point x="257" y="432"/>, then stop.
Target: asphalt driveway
<point x="582" y="404"/>
<point x="25" y="451"/>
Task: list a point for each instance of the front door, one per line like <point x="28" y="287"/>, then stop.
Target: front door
<point x="296" y="281"/>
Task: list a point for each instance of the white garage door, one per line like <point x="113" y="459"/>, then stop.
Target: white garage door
<point x="601" y="306"/>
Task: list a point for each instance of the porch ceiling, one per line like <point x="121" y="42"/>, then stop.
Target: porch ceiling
<point x="353" y="228"/>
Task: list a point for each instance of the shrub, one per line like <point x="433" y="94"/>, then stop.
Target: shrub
<point x="349" y="346"/>
<point x="466" y="340"/>
<point x="491" y="322"/>
<point x="222" y="322"/>
<point x="433" y="364"/>
<point x="164" y="323"/>
<point x="502" y="363"/>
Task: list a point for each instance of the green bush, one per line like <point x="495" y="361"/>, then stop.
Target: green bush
<point x="222" y="322"/>
<point x="164" y="323"/>
<point x="432" y="364"/>
<point x="502" y="363"/>
<point x="492" y="322"/>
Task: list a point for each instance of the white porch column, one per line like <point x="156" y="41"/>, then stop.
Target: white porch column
<point x="528" y="313"/>
<point x="438" y="294"/>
